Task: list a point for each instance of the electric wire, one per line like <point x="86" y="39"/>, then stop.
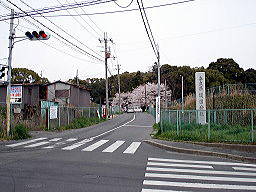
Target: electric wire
<point x="63" y="30"/>
<point x="85" y="20"/>
<point x="90" y="19"/>
<point x="124" y="6"/>
<point x="148" y="23"/>
<point x="88" y="54"/>
<point x="145" y="26"/>
<point x="78" y="21"/>
<point x="50" y="10"/>
<point x="113" y="12"/>
<point x="59" y="50"/>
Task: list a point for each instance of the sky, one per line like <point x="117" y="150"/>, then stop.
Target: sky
<point x="192" y="34"/>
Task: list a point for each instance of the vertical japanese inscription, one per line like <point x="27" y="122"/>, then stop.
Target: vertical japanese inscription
<point x="200" y="97"/>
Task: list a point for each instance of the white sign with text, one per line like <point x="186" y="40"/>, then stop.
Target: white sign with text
<point x="200" y="97"/>
<point x="158" y="109"/>
<point x="53" y="112"/>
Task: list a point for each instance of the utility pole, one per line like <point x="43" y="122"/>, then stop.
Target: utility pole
<point x="158" y="71"/>
<point x="106" y="71"/>
<point x="119" y="89"/>
<point x="8" y="99"/>
<point x="107" y="55"/>
<point x="182" y="94"/>
<point x="77" y="80"/>
<point x="158" y="103"/>
<point x="146" y="95"/>
<point x="165" y="95"/>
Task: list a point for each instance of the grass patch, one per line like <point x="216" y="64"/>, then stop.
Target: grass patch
<point x="81" y="123"/>
<point x="196" y="132"/>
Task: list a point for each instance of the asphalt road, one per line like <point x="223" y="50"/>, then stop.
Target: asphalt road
<point x="112" y="157"/>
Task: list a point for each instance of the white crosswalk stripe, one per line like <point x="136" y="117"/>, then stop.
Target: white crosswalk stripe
<point x="25" y="142"/>
<point x="95" y="145"/>
<point x="37" y="144"/>
<point x="188" y="175"/>
<point x="113" y="147"/>
<point x="55" y="139"/>
<point x="132" y="148"/>
<point x="69" y="144"/>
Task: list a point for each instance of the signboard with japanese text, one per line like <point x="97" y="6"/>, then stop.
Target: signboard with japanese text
<point x="158" y="109"/>
<point x="53" y="112"/>
<point x="16" y="94"/>
<point x="200" y="97"/>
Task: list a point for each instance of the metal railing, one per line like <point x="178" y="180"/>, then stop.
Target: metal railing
<point x="222" y="125"/>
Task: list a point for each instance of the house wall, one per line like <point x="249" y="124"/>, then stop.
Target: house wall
<point x="30" y="95"/>
<point x="58" y="86"/>
<point x="84" y="98"/>
<point x="74" y="96"/>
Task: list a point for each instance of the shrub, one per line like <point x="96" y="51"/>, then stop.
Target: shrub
<point x="20" y="131"/>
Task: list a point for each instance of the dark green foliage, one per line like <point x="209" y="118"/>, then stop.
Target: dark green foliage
<point x="20" y="131"/>
<point x="23" y="75"/>
<point x="223" y="71"/>
<point x="229" y="68"/>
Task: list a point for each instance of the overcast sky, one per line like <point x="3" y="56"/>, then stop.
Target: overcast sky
<point x="194" y="34"/>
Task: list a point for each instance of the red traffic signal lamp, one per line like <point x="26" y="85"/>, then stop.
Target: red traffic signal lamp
<point x="37" y="36"/>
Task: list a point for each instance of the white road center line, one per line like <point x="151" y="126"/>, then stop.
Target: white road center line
<point x="195" y="177"/>
<point x="179" y="165"/>
<point x="202" y="162"/>
<point x="37" y="144"/>
<point x="132" y="148"/>
<point x="200" y="171"/>
<point x="199" y="185"/>
<point x="95" y="145"/>
<point x="113" y="147"/>
<point x="25" y="142"/>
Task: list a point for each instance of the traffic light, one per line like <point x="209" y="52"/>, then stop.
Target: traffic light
<point x="37" y="36"/>
<point x="2" y="74"/>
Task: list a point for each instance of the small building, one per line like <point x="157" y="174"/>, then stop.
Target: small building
<point x="67" y="94"/>
<point x="23" y="94"/>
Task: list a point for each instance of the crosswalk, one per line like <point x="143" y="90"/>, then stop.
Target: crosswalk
<point x="83" y="145"/>
<point x="174" y="175"/>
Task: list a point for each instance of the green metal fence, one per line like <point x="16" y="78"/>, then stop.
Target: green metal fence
<point x="226" y="125"/>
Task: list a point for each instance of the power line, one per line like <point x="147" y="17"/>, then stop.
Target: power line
<point x="123" y="6"/>
<point x="147" y="31"/>
<point x="59" y="50"/>
<point x="62" y="29"/>
<point x="90" y="18"/>
<point x="78" y="21"/>
<point x="88" y="54"/>
<point x="118" y="11"/>
<point x="85" y="20"/>
<point x="53" y="9"/>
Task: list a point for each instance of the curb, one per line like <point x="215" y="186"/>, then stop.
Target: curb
<point x="201" y="152"/>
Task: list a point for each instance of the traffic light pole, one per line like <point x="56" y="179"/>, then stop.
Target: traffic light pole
<point x="8" y="99"/>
